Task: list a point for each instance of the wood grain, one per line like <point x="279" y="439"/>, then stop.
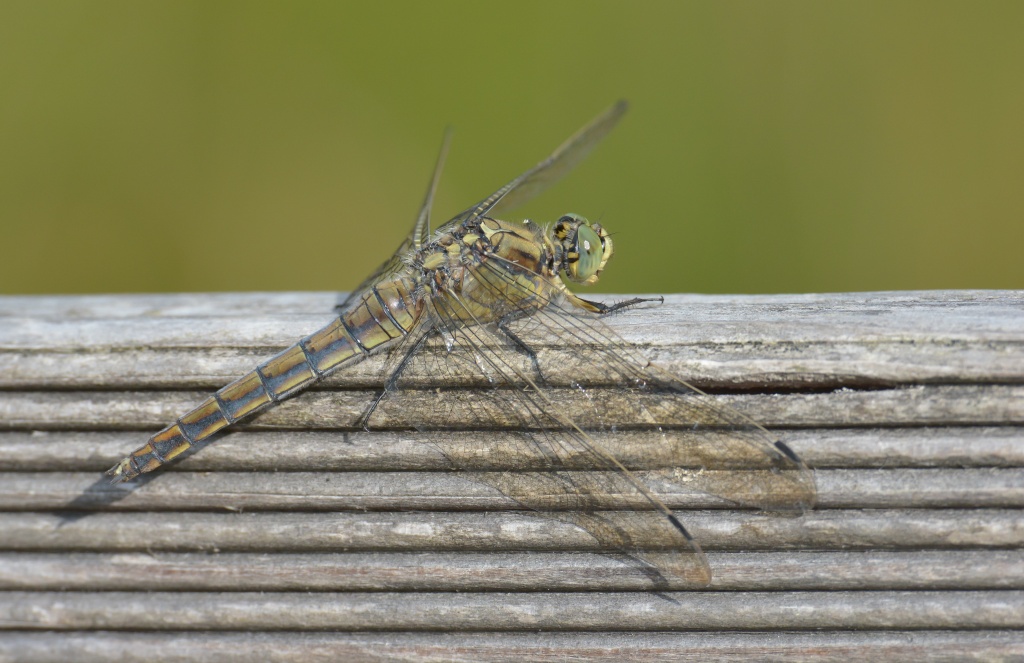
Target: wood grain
<point x="311" y="647"/>
<point x="344" y="451"/>
<point x="501" y="530"/>
<point x="804" y="341"/>
<point x="497" y="611"/>
<point x="471" y="491"/>
<point x="924" y="405"/>
<point x="502" y="571"/>
<point x="301" y="537"/>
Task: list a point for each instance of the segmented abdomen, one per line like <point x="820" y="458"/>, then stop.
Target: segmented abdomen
<point x="375" y="319"/>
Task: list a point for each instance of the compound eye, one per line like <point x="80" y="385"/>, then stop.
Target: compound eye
<point x="590" y="250"/>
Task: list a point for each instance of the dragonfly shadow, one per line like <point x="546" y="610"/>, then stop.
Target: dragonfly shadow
<point x="98" y="496"/>
<point x="102" y="493"/>
<point x="660" y="583"/>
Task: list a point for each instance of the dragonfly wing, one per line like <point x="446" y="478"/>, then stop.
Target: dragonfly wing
<point x="539" y="457"/>
<point x="572" y="394"/>
<point x="531" y="183"/>
<point x="701" y="442"/>
<point x="566" y="157"/>
<point x="515" y="193"/>
<point x="417" y="237"/>
<point x="421" y="230"/>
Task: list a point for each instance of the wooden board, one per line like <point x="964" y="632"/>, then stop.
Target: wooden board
<point x="299" y="537"/>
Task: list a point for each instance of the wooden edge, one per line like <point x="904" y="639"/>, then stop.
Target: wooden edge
<point x="467" y="611"/>
<point x="395" y="451"/>
<point x="473" y="491"/>
<point x="503" y="571"/>
<point x="924" y="405"/>
<point x="291" y="647"/>
<point x="896" y="529"/>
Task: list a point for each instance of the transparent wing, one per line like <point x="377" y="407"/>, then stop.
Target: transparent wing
<point x="534" y="453"/>
<point x="556" y="166"/>
<point x="419" y="234"/>
<point x="566" y="157"/>
<point x="515" y="193"/>
<point x="421" y="229"/>
<point x="593" y="434"/>
<point x="701" y="442"/>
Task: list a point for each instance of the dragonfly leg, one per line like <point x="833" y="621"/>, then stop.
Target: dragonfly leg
<point x="364" y="421"/>
<point x="392" y="382"/>
<point x="604" y="309"/>
<point x="519" y="343"/>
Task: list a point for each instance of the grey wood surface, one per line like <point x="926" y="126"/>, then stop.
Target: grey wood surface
<point x="331" y="647"/>
<point x="299" y="537"/>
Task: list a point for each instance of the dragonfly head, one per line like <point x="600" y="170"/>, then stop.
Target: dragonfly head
<point x="585" y="248"/>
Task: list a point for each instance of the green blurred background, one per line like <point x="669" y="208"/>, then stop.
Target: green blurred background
<point x="770" y="147"/>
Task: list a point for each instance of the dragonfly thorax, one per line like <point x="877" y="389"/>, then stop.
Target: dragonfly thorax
<point x="516" y="246"/>
<point x="485" y="269"/>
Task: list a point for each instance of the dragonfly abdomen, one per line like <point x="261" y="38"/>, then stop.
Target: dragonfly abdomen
<point x="381" y="315"/>
<point x="273" y="380"/>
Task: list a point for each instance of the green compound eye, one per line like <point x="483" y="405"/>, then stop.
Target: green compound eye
<point x="590" y="250"/>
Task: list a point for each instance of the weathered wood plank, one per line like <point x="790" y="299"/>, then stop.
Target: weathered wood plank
<point x="204" y="341"/>
<point x="809" y="364"/>
<point x="309" y="647"/>
<point x="906" y="529"/>
<point x="296" y="451"/>
<point x="433" y="491"/>
<point x="502" y="571"/>
<point x="909" y="406"/>
<point x="465" y="611"/>
<point x="242" y="304"/>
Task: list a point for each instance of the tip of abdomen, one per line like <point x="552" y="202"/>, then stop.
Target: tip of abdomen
<point x="122" y="472"/>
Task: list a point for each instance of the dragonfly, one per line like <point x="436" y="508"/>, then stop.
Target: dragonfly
<point x="485" y="297"/>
